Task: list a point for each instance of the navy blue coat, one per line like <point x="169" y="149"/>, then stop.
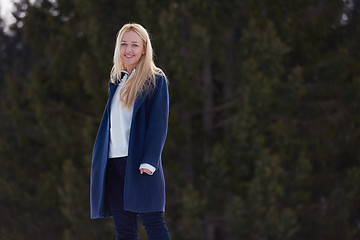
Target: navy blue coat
<point x="142" y="192"/>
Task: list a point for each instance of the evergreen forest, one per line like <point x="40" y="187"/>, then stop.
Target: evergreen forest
<point x="264" y="128"/>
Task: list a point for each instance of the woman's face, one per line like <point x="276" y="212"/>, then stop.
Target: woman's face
<point x="131" y="49"/>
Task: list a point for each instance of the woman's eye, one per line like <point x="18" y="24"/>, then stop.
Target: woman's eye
<point x="135" y="45"/>
<point x="123" y="44"/>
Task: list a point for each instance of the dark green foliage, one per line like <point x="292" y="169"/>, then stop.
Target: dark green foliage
<point x="264" y="116"/>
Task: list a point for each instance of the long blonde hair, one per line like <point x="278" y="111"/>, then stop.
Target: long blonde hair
<point x="145" y="75"/>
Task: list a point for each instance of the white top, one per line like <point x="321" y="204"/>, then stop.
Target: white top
<point x="120" y="124"/>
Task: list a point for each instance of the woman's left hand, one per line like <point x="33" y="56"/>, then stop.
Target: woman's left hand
<point x="144" y="170"/>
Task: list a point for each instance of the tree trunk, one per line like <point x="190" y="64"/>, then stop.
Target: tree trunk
<point x="207" y="88"/>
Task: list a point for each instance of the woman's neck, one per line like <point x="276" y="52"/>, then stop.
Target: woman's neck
<point x="129" y="69"/>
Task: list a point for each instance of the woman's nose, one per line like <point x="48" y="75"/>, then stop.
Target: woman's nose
<point x="128" y="49"/>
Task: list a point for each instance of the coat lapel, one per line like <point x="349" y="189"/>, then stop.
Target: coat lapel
<point x="138" y="102"/>
<point x="112" y="87"/>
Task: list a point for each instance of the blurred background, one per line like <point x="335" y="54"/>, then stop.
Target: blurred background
<point x="264" y="128"/>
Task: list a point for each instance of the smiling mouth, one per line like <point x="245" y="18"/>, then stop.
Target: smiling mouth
<point x="128" y="56"/>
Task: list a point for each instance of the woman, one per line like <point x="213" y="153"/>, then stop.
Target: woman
<point x="127" y="178"/>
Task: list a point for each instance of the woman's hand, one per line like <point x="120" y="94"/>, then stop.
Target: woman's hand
<point x="144" y="170"/>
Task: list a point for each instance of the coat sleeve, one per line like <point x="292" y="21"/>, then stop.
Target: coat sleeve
<point x="158" y="115"/>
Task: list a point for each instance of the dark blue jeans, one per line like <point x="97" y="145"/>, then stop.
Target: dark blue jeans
<point x="125" y="222"/>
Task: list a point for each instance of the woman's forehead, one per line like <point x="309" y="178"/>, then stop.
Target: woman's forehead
<point x="131" y="36"/>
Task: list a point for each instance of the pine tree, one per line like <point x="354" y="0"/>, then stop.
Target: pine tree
<point x="262" y="214"/>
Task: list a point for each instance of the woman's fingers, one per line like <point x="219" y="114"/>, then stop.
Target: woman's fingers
<point x="144" y="170"/>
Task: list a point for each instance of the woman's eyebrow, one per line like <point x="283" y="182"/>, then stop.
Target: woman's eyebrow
<point x="132" y="41"/>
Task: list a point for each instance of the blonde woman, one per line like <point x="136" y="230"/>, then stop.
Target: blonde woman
<point x="127" y="177"/>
